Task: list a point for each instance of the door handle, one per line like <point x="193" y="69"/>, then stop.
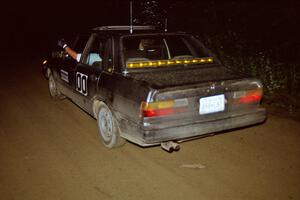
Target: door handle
<point x="93" y="78"/>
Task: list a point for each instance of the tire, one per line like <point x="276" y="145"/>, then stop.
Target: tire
<point x="108" y="127"/>
<point x="53" y="89"/>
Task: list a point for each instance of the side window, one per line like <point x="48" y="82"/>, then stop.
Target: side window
<point x="95" y="53"/>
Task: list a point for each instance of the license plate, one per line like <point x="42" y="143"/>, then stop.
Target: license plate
<point x="212" y="104"/>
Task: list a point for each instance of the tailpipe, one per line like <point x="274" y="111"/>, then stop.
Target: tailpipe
<point x="170" y="146"/>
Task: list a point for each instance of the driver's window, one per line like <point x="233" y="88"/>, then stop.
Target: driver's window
<point x="80" y="43"/>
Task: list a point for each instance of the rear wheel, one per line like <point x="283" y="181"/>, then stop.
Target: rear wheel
<point x="108" y="127"/>
<point x="53" y="89"/>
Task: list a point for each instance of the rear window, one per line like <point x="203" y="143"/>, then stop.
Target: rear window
<point x="166" y="50"/>
<point x="178" y="47"/>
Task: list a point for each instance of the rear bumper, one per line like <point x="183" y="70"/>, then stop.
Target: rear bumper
<point x="199" y="128"/>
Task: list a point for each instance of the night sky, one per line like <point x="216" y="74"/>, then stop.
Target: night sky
<point x="35" y="27"/>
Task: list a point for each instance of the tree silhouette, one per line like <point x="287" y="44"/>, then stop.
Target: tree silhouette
<point x="149" y="13"/>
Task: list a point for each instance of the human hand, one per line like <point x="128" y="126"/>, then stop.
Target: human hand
<point x="62" y="43"/>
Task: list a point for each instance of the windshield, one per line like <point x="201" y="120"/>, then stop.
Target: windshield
<point x="162" y="51"/>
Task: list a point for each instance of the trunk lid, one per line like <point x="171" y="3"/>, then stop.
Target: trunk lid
<point x="159" y="79"/>
<point x="206" y="93"/>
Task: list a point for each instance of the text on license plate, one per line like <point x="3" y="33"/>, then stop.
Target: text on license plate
<point x="212" y="104"/>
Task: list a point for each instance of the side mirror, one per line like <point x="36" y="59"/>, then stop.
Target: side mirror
<point x="59" y="54"/>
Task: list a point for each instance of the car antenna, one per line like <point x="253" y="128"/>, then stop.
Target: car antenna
<point x="131" y="29"/>
<point x="166" y="24"/>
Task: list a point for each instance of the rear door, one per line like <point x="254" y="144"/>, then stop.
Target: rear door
<point x="96" y="58"/>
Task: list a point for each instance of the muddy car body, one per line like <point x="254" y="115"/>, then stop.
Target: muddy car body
<point x="153" y="87"/>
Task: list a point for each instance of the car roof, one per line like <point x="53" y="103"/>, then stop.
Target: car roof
<point x="122" y="30"/>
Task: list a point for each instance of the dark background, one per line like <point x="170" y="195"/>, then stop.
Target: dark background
<point x="34" y="27"/>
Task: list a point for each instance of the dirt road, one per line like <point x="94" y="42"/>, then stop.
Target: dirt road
<point x="50" y="150"/>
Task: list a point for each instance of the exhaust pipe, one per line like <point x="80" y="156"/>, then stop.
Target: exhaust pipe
<point x="170" y="146"/>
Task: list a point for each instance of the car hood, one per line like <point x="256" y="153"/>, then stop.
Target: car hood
<point x="158" y="79"/>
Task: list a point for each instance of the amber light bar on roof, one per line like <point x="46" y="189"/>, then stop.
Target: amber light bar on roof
<point x="166" y="63"/>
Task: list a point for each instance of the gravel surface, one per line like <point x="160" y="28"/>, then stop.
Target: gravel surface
<point x="51" y="150"/>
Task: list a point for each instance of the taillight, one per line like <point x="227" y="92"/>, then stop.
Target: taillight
<point x="251" y="96"/>
<point x="163" y="108"/>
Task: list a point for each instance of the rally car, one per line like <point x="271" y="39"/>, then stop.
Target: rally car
<point x="152" y="87"/>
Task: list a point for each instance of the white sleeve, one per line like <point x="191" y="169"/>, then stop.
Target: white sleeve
<point x="78" y="57"/>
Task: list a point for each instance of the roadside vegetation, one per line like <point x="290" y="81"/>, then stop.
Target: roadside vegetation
<point x="281" y="80"/>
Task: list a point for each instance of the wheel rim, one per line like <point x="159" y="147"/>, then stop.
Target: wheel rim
<point x="52" y="86"/>
<point x="105" y="124"/>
